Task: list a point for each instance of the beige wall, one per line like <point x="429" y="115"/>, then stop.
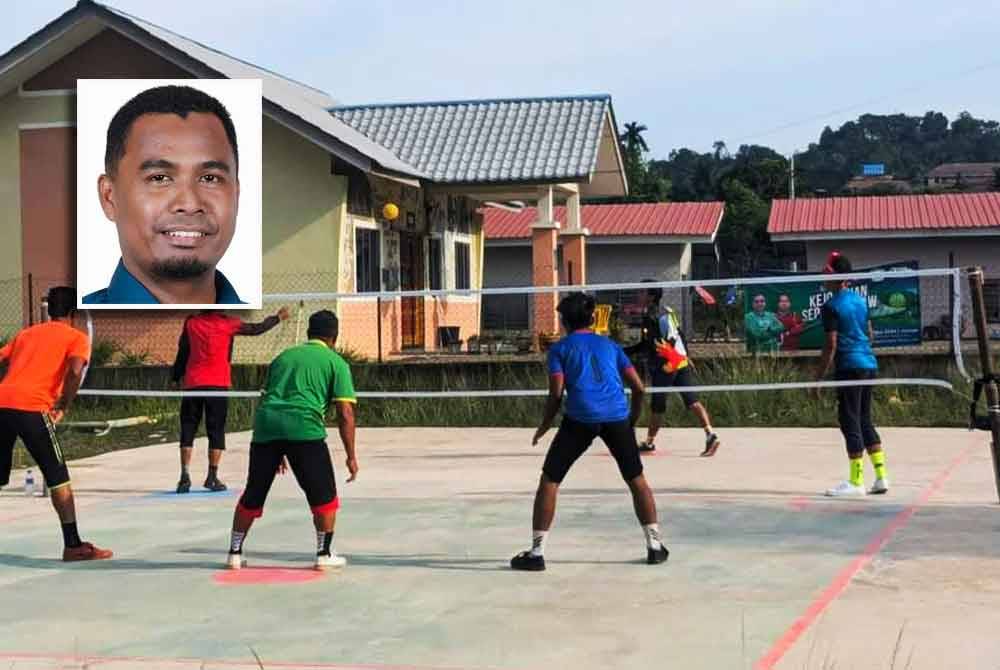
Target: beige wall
<point x="14" y="111"/>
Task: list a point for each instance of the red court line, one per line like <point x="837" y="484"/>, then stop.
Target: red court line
<point x="89" y="660"/>
<point x="844" y="577"/>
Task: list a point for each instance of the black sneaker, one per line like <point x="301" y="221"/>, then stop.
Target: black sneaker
<point x="184" y="485"/>
<point x="213" y="484"/>
<point x="647" y="446"/>
<point x="655" y="556"/>
<point x="525" y="561"/>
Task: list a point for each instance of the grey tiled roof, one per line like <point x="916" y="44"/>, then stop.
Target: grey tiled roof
<point x="472" y="141"/>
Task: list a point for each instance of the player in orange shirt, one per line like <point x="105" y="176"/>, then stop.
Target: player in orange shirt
<point x="44" y="370"/>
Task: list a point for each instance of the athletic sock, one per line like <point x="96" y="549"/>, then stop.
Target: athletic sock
<point x="71" y="536"/>
<point x="878" y="462"/>
<point x="324" y="543"/>
<point x="213" y="472"/>
<point x="857" y="471"/>
<point x="708" y="430"/>
<point x="538" y="542"/>
<point x="652" y="532"/>
<point x="236" y="543"/>
<point x="185" y="474"/>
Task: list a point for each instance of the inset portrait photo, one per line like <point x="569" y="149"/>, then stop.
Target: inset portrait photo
<point x="169" y="193"/>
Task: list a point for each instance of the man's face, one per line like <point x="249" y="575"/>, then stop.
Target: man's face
<point x="784" y="304"/>
<point x="174" y="196"/>
<point x="759" y="303"/>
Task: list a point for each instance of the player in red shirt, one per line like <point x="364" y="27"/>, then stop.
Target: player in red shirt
<point x="203" y="360"/>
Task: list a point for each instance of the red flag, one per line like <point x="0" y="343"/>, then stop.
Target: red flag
<point x="705" y="296"/>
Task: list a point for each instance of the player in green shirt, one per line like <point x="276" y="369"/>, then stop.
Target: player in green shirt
<point x="289" y="427"/>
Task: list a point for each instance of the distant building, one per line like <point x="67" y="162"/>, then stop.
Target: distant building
<point x="627" y="243"/>
<point x="964" y="176"/>
<point x="937" y="231"/>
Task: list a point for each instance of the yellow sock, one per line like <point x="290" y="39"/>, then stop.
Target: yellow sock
<point x="857" y="471"/>
<point x="878" y="462"/>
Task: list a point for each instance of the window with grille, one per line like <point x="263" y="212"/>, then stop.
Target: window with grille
<point x="434" y="264"/>
<point x="368" y="260"/>
<point x="462" y="267"/>
<point x="991" y="300"/>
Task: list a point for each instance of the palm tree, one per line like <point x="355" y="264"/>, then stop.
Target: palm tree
<point x="632" y="138"/>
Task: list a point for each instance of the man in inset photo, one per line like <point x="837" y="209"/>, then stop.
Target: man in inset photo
<point x="171" y="187"/>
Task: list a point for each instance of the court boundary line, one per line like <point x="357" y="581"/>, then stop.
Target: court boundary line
<point x="847" y="574"/>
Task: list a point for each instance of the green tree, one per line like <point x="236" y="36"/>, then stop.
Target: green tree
<point x="743" y="240"/>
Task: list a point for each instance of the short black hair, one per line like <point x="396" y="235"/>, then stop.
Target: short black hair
<point x="323" y="323"/>
<point x="654" y="291"/>
<point x="179" y="100"/>
<point x="61" y="301"/>
<point x="840" y="264"/>
<point x="577" y="310"/>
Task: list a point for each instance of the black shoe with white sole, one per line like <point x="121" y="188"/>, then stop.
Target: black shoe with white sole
<point x="655" y="556"/>
<point x="528" y="562"/>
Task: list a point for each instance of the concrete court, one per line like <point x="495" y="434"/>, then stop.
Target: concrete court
<point x="763" y="573"/>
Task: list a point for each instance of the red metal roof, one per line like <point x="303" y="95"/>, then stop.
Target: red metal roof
<point x="885" y="214"/>
<point x="680" y="219"/>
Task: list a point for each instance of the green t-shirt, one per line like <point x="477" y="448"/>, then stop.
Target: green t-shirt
<point x="301" y="383"/>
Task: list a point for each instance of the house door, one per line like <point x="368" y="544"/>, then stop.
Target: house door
<point x="411" y="278"/>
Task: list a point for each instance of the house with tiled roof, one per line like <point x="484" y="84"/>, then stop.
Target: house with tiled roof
<point x="937" y="231"/>
<point x="327" y="171"/>
<point x="965" y="177"/>
<point x="625" y="243"/>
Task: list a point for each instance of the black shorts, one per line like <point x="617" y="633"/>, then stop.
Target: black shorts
<point x="575" y="437"/>
<point x="310" y="463"/>
<point x="215" y="410"/>
<point x="38" y="434"/>
<point x="680" y="379"/>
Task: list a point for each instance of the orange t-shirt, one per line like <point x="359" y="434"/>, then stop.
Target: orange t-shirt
<point x="37" y="358"/>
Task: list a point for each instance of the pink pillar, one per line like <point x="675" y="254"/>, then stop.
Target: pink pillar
<point x="544" y="239"/>
<point x="574" y="244"/>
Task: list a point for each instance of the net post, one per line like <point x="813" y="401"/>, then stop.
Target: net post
<point x="986" y="364"/>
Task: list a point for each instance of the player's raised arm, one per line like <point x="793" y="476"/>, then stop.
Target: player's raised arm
<point x="261" y="327"/>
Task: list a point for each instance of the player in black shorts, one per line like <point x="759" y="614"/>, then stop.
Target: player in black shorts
<point x="590" y="368"/>
<point x="662" y="345"/>
<point x="44" y="370"/>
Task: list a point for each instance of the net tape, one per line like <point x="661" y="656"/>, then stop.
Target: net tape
<point x="955" y="274"/>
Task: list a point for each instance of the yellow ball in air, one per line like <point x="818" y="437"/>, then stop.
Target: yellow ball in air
<point x="390" y="211"/>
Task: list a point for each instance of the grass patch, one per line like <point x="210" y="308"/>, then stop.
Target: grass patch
<point x="893" y="406"/>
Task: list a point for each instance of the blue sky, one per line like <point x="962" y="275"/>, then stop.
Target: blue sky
<point x="764" y="71"/>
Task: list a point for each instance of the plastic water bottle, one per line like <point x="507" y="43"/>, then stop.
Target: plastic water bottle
<point x="29" y="483"/>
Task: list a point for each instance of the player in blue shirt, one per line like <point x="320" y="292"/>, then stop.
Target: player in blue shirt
<point x="849" y="346"/>
<point x="590" y="368"/>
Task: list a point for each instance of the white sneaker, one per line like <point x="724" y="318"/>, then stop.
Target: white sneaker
<point x="330" y="562"/>
<point x="846" y="489"/>
<point x="235" y="561"/>
<point x="879" y="487"/>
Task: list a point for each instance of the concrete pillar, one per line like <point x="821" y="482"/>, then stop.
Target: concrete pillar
<point x="574" y="243"/>
<point x="544" y="270"/>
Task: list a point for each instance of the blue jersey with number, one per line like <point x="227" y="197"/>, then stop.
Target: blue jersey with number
<point x="591" y="366"/>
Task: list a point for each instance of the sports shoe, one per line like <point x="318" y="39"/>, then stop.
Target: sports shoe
<point x="214" y="484"/>
<point x="846" y="489"/>
<point x="712" y="444"/>
<point x="527" y="561"/>
<point x="330" y="561"/>
<point x="184" y="485"/>
<point x="235" y="561"/>
<point x="880" y="486"/>
<point x="646" y="445"/>
<point x="86" y="552"/>
<point x="655" y="556"/>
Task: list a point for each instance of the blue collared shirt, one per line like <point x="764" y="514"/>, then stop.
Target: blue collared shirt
<point x="125" y="289"/>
